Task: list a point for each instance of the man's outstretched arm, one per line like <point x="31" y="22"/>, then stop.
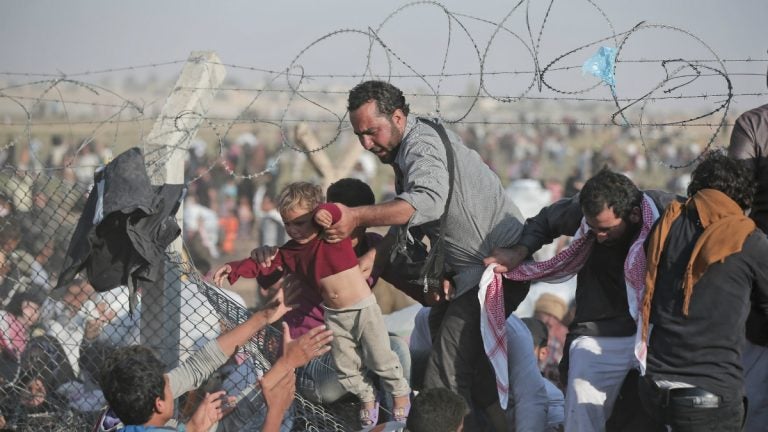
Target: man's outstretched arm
<point x="395" y="212"/>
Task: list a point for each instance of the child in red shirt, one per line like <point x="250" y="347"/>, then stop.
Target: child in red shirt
<point x="360" y="336"/>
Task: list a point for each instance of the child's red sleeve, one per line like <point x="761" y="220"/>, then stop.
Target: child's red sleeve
<point x="331" y="208"/>
<point x="248" y="268"/>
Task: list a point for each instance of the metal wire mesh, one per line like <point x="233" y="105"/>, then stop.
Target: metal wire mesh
<point x="54" y="341"/>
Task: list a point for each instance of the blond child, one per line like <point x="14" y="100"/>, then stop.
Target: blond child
<point x="360" y="336"/>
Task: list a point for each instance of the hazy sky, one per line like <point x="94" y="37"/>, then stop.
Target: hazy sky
<point x="78" y="35"/>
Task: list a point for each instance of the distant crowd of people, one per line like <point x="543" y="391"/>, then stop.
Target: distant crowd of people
<point x="666" y="331"/>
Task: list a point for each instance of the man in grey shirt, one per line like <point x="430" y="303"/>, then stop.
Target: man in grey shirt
<point x="480" y="217"/>
<point x="749" y="144"/>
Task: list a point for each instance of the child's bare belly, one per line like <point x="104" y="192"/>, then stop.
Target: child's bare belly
<point x="344" y="289"/>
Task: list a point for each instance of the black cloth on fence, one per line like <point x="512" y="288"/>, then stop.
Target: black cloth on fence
<point x="138" y="225"/>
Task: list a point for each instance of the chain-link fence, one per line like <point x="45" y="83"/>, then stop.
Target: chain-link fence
<point x="54" y="341"/>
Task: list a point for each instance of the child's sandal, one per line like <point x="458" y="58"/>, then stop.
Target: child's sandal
<point x="369" y="416"/>
<point x="401" y="414"/>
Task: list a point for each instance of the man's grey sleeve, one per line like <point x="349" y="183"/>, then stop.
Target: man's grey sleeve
<point x="743" y="140"/>
<point x="744" y="146"/>
<point x="426" y="180"/>
<point x="195" y="370"/>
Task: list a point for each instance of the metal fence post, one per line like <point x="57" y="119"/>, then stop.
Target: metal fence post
<point x="165" y="150"/>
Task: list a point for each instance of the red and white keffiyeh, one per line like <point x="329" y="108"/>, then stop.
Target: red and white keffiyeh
<point x="493" y="329"/>
<point x="561" y="267"/>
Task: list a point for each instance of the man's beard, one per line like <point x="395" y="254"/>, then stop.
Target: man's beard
<point x="395" y="139"/>
<point x="626" y="240"/>
<point x="389" y="157"/>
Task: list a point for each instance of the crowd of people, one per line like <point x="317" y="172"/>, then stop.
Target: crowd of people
<point x="664" y="329"/>
<point x="622" y="264"/>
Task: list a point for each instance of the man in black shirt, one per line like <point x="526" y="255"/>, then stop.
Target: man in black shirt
<point x="706" y="261"/>
<point x="611" y="213"/>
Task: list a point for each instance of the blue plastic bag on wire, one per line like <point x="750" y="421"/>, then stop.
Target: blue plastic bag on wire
<point x="601" y="65"/>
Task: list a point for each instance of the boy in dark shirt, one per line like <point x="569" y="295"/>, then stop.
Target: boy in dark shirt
<point x="350" y="307"/>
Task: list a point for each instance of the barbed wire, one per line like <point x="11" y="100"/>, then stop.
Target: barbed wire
<point x="410" y="94"/>
<point x="68" y="103"/>
<point x="301" y="87"/>
<point x="469" y="74"/>
<point x="276" y="122"/>
<point x="95" y="72"/>
<point x="276" y="72"/>
<point x="464" y="96"/>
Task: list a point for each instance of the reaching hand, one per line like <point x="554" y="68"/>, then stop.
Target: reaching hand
<point x="276" y="305"/>
<point x="507" y="258"/>
<point x="444" y="293"/>
<point x="208" y="413"/>
<point x="221" y="274"/>
<point x="449" y="289"/>
<point x="344" y="227"/>
<point x="312" y="344"/>
<point x="92" y="329"/>
<point x="105" y="312"/>
<point x="264" y="255"/>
